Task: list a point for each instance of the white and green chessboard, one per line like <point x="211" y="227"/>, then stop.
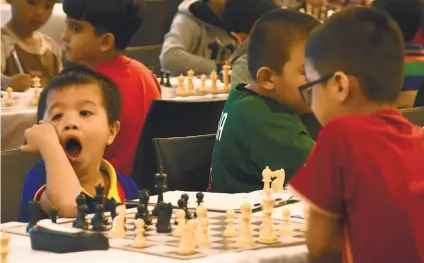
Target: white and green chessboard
<point x="166" y="245"/>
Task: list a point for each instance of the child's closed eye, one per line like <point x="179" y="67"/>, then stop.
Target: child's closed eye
<point x="57" y="117"/>
<point x="86" y="113"/>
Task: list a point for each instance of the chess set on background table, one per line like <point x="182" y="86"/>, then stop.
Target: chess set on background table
<point x="192" y="86"/>
<point x="164" y="230"/>
<point x="14" y="101"/>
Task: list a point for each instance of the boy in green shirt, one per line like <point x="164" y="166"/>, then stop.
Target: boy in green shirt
<point x="259" y="125"/>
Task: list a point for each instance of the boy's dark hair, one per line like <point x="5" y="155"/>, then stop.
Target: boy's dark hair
<point x="122" y="18"/>
<point x="240" y="15"/>
<point x="365" y="43"/>
<point x="407" y="13"/>
<point x="79" y="76"/>
<point x="273" y="36"/>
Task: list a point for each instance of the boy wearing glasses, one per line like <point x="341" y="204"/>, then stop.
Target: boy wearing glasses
<point x="259" y="125"/>
<point x="364" y="179"/>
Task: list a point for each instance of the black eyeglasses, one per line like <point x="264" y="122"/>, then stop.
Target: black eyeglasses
<point x="306" y="89"/>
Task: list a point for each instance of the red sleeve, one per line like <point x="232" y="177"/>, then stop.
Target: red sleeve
<point x="320" y="180"/>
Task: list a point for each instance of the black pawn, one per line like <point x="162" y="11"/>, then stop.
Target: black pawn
<point x="163" y="224"/>
<point x="185" y="197"/>
<point x="199" y="197"/>
<point x="168" y="79"/>
<point x="80" y="221"/>
<point x="160" y="187"/>
<point x="53" y="214"/>
<point x="162" y="77"/>
<point x="34" y="214"/>
<point x="141" y="213"/>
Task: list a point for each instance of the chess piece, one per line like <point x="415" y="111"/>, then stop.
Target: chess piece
<point x="203" y="88"/>
<point x="190" y="85"/>
<point x="118" y="223"/>
<point x="180" y="87"/>
<point x="36" y="82"/>
<point x="53" y="214"/>
<point x="199" y="197"/>
<point x="192" y="223"/>
<point x="111" y="206"/>
<point x="34" y="214"/>
<point x="214" y="79"/>
<point x="278" y="184"/>
<point x="201" y="212"/>
<point x="144" y="197"/>
<point x="80" y="222"/>
<point x="160" y="187"/>
<point x="141" y="213"/>
<point x="230" y="231"/>
<point x="162" y="77"/>
<point x="185" y="197"/>
<point x="203" y="234"/>
<point x="304" y="227"/>
<point x="139" y="241"/>
<point x="180" y="218"/>
<point x="36" y="97"/>
<point x="266" y="179"/>
<point x="163" y="224"/>
<point x="99" y="201"/>
<point x="226" y="77"/>
<point x="9" y="101"/>
<point x="5" y="240"/>
<point x="285" y="227"/>
<point x="187" y="241"/>
<point x="266" y="233"/>
<point x="245" y="238"/>
<point x="168" y="79"/>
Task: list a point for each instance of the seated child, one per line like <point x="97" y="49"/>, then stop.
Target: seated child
<point x="364" y="180"/>
<point x="80" y="118"/>
<point x="408" y="15"/>
<point x="97" y="32"/>
<point x="197" y="39"/>
<point x="249" y="11"/>
<point x="260" y="125"/>
<point x="26" y="52"/>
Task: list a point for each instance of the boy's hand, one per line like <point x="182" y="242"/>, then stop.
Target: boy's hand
<point x="21" y="82"/>
<point x="39" y="135"/>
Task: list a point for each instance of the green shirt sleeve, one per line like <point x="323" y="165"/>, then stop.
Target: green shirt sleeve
<point x="285" y="145"/>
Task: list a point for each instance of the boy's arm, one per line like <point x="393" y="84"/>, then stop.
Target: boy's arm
<point x="62" y="184"/>
<point x="280" y="147"/>
<point x="176" y="55"/>
<point x="320" y="184"/>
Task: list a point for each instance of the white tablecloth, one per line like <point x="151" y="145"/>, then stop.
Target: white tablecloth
<point x="16" y="119"/>
<point x="20" y="252"/>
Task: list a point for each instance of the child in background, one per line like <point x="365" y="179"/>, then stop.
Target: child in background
<point x="239" y="17"/>
<point x="79" y="112"/>
<point x="26" y="52"/>
<point x="364" y="180"/>
<point x="260" y="125"/>
<point x="408" y="15"/>
<point x="97" y="32"/>
<point x="198" y="39"/>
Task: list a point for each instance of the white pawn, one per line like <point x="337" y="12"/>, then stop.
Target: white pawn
<point x="10" y="100"/>
<point x="118" y="223"/>
<point x="304" y="227"/>
<point x="230" y="231"/>
<point x="180" y="214"/>
<point x="245" y="238"/>
<point x="5" y="239"/>
<point x="267" y="234"/>
<point x="139" y="241"/>
<point x="285" y="227"/>
<point x="201" y="211"/>
<point x="214" y="79"/>
<point x="203" y="89"/>
<point x="203" y="236"/>
<point x="187" y="241"/>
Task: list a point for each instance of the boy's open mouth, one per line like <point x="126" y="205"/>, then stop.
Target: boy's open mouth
<point x="73" y="149"/>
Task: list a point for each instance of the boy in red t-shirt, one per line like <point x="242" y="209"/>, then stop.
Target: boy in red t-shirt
<point x="97" y="31"/>
<point x="364" y="179"/>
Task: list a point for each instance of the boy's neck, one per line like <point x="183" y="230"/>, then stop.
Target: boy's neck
<point x="365" y="107"/>
<point x="102" y="59"/>
<point x="19" y="31"/>
<point x="91" y="177"/>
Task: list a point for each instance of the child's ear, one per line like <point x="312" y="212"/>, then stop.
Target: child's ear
<point x="113" y="131"/>
<point x="108" y="42"/>
<point x="343" y="85"/>
<point x="265" y="78"/>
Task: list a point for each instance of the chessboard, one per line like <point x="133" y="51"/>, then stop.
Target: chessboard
<point x="166" y="245"/>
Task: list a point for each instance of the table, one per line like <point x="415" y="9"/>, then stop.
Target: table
<point x="20" y="251"/>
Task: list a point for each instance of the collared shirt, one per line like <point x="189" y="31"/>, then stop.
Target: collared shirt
<point x="367" y="170"/>
<point x="121" y="188"/>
